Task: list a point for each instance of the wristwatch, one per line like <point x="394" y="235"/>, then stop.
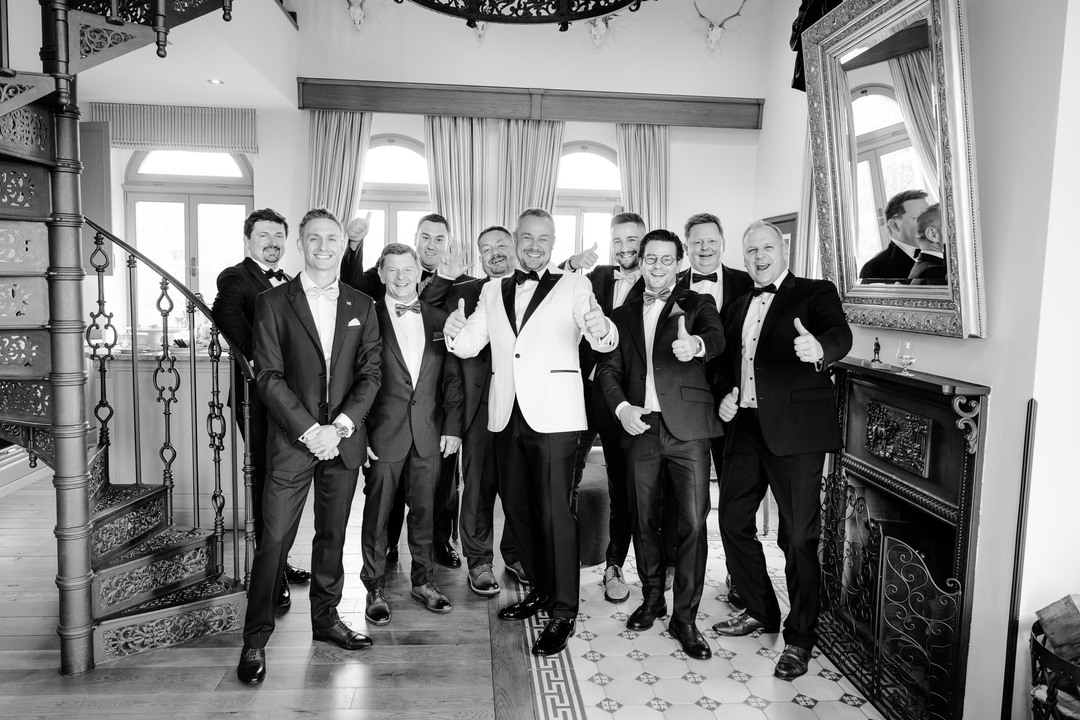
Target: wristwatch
<point x="342" y="430"/>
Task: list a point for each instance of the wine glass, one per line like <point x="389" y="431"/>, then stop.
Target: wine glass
<point x="905" y="355"/>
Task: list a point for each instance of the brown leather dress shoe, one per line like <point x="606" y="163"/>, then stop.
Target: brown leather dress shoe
<point x="554" y="636"/>
<point x="525" y="609"/>
<point x="252" y="667"/>
<point x="692" y="641"/>
<point x="343" y="636"/>
<point x="431" y="598"/>
<point x="741" y="625"/>
<point x="792" y="663"/>
<point x="642" y="619"/>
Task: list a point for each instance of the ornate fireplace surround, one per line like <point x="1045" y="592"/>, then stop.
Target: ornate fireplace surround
<point x="898" y="537"/>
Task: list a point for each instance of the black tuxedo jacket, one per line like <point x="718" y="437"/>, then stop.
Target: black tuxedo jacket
<point x="795" y="400"/>
<point x="352" y="267"/>
<point x="892" y="264"/>
<point x="435" y="292"/>
<point x="234" y="306"/>
<point x="602" y="278"/>
<point x="294" y="381"/>
<point x="403" y="415"/>
<point x="928" y="270"/>
<point x="475" y="371"/>
<point x="686" y="398"/>
<point x="735" y="283"/>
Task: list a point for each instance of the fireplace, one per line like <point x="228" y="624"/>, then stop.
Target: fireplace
<point x="898" y="536"/>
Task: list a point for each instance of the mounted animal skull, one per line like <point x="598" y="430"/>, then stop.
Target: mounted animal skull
<point x="356" y="12"/>
<point x="712" y="35"/>
<point x="598" y="27"/>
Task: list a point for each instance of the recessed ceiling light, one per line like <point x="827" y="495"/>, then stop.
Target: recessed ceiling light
<point x="215" y="81"/>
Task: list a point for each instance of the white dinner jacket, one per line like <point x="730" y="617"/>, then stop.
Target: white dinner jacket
<point x="539" y="366"/>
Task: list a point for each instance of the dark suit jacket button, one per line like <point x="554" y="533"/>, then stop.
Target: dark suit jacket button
<point x="413" y="402"/>
<point x="322" y="375"/>
<point x="322" y="404"/>
<point x="517" y="355"/>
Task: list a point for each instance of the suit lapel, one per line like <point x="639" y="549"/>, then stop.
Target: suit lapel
<point x="257" y="274"/>
<point x="300" y="306"/>
<point x="429" y="326"/>
<point x="542" y="289"/>
<point x="607" y="288"/>
<point x="509" y="290"/>
<point x="390" y="338"/>
<point x="783" y="296"/>
<point x="341" y="324"/>
<point x="635" y="309"/>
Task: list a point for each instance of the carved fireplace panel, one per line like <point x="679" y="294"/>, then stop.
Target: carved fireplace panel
<point x="897" y="537"/>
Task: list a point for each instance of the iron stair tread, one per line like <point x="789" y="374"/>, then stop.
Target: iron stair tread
<point x="114" y="497"/>
<point x="210" y="589"/>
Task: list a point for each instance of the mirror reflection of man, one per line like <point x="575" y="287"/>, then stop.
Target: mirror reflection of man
<point x="930" y="267"/>
<point x="894" y="263"/>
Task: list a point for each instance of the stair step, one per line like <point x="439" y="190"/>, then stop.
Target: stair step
<point x="171" y="559"/>
<point x="124" y="516"/>
<point x="212" y="606"/>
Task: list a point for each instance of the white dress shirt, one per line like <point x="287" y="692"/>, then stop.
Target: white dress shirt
<point x="708" y="287"/>
<point x="324" y="312"/>
<point x="273" y="281"/>
<point x="624" y="280"/>
<point x="409" y="328"/>
<point x="756" y="310"/>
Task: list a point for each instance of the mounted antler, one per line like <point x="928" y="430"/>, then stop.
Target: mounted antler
<point x="598" y="27"/>
<point x="712" y="35"/>
<point x="356" y="12"/>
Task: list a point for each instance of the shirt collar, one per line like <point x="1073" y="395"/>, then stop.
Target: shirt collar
<point x="391" y="301"/>
<point x="779" y="279"/>
<point x="307" y="283"/>
<point x="908" y="250"/>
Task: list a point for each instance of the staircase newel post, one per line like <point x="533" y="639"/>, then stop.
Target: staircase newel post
<point x="70" y="424"/>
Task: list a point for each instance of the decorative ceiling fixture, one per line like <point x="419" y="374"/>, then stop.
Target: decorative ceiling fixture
<point x="527" y="12"/>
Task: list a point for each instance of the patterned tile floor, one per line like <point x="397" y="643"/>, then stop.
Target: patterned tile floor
<point x="611" y="673"/>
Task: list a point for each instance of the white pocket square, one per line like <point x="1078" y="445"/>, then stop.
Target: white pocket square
<point x="354" y="323"/>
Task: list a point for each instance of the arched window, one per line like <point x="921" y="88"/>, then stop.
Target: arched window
<point x="588" y="192"/>
<point x="186" y="211"/>
<point x="394" y="189"/>
<point x="887" y="163"/>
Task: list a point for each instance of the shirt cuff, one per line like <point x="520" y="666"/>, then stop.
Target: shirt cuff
<point x="307" y="432"/>
<point x="347" y="422"/>
<point x="619" y="407"/>
<point x="701" y="346"/>
<point x="608" y="340"/>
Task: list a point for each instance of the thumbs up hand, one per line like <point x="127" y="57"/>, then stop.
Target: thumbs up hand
<point x="585" y="259"/>
<point x="807" y="348"/>
<point x="686" y="346"/>
<point x="595" y="322"/>
<point x="455" y="322"/>
<point x="729" y="405"/>
<point x="358" y="230"/>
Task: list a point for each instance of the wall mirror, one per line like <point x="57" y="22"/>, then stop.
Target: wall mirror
<point x="889" y="107"/>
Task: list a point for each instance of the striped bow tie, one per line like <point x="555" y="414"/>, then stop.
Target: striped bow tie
<point x="400" y="309"/>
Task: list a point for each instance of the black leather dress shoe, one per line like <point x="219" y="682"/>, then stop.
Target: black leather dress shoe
<point x="431" y="597"/>
<point x="446" y="555"/>
<point x="643" y="618"/>
<point x="284" y="600"/>
<point x="554" y="636"/>
<point x="378" y="610"/>
<point x="734" y="597"/>
<point x="343" y="636"/>
<point x="391" y="556"/>
<point x="741" y="625"/>
<point x="252" y="667"/>
<point x="792" y="663"/>
<point x="692" y="641"/>
<point x="525" y="609"/>
<point x="295" y="575"/>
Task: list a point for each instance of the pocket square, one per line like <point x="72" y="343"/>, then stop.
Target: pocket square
<point x="354" y="323"/>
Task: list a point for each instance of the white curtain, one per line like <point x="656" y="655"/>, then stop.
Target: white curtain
<point x="643" y="171"/>
<point x="913" y="78"/>
<point x="457" y="157"/>
<point x="338" y="141"/>
<point x="528" y="161"/>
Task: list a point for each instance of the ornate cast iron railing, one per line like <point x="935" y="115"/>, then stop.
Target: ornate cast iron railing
<point x="102" y="339"/>
<point x="160" y="15"/>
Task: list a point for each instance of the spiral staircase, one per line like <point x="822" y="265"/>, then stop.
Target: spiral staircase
<point x="131" y="578"/>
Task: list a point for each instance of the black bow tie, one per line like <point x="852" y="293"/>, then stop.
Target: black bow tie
<point x="274" y="275"/>
<point x="426" y="275"/>
<point x="770" y="288"/>
<point x="651" y="297"/>
<point x="400" y="309"/>
<point x="694" y="277"/>
<point x="520" y="276"/>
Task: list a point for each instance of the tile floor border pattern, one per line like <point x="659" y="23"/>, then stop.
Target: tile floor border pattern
<point x="610" y="673"/>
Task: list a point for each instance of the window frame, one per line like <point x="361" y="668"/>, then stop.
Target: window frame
<point x="579" y="202"/>
<point x="391" y="198"/>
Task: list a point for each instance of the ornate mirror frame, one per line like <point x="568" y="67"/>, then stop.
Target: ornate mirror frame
<point x="953" y="310"/>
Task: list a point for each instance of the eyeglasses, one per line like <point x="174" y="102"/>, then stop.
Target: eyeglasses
<point x="667" y="260"/>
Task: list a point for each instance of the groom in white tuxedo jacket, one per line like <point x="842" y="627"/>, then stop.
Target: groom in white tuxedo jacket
<point x="534" y="321"/>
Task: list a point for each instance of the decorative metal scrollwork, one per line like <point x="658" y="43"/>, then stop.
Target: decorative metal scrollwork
<point x="28" y="400"/>
<point x="16" y="189"/>
<point x="526" y="11"/>
<point x="966" y="423"/>
<point x="141" y="580"/>
<point x="101" y="338"/>
<point x="23" y="127"/>
<point x="24" y="244"/>
<point x="166" y="393"/>
<point x="162" y="632"/>
<point x="93" y="40"/>
<point x="132" y="11"/>
<point x="19" y="351"/>
<point x="126" y="528"/>
<point x="215" y="428"/>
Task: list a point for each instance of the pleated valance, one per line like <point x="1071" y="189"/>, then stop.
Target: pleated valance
<point x="171" y="127"/>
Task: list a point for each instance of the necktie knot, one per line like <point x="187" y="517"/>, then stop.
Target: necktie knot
<point x="651" y="297"/>
<point x="274" y="275"/>
<point x="520" y="276"/>
<point x="694" y="277"/>
<point x="330" y="293"/>
<point x="756" y="291"/>
<point x="401" y="309"/>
